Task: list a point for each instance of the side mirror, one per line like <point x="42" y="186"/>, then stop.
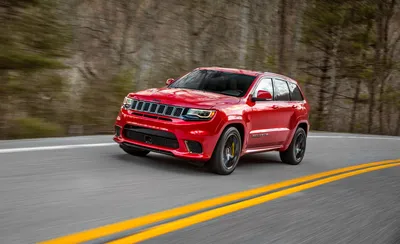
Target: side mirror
<point x="169" y="81"/>
<point x="262" y="96"/>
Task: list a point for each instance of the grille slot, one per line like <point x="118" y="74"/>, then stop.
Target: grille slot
<point x="134" y="104"/>
<point x="169" y="110"/>
<point x="139" y="106"/>
<point x="178" y="111"/>
<point x="156" y="108"/>
<point x="153" y="108"/>
<point x="161" y="109"/>
<point x="146" y="107"/>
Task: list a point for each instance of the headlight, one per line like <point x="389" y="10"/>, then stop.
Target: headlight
<point x="127" y="102"/>
<point x="201" y="114"/>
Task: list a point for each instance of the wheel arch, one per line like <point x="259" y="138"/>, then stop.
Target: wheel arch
<point x="240" y="127"/>
<point x="304" y="124"/>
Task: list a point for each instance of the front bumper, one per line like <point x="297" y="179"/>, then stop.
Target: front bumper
<point x="174" y="136"/>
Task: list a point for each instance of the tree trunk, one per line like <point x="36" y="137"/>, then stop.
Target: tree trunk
<point x="191" y="60"/>
<point x="387" y="12"/>
<point x="297" y="35"/>
<point x="377" y="66"/>
<point x="398" y="125"/>
<point x="282" y="37"/>
<point x="354" y="110"/>
<point x="320" y="122"/>
<point x="128" y="22"/>
<point x="3" y="104"/>
<point x="334" y="83"/>
<point x="389" y="117"/>
<point x="244" y="32"/>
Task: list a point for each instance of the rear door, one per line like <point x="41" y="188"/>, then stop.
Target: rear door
<point x="284" y="110"/>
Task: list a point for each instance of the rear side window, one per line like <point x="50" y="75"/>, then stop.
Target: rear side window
<point x="281" y="90"/>
<point x="295" y="92"/>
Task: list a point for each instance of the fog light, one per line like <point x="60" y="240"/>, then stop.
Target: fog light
<point x="194" y="146"/>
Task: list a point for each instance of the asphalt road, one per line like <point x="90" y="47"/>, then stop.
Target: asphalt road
<point x="54" y="187"/>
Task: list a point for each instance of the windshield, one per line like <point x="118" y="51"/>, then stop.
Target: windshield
<point x="226" y="83"/>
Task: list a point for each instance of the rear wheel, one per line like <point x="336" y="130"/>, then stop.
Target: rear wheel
<point x="135" y="151"/>
<point x="227" y="152"/>
<point x="295" y="153"/>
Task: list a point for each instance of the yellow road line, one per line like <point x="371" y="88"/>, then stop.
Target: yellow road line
<point x="110" y="229"/>
<point x="211" y="214"/>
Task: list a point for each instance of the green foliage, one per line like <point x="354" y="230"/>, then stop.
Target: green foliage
<point x="30" y="127"/>
<point x="363" y="98"/>
<point x="101" y="100"/>
<point x="20" y="3"/>
<point x="12" y="60"/>
<point x="33" y="37"/>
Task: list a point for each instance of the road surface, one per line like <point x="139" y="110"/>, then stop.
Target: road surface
<point x="59" y="186"/>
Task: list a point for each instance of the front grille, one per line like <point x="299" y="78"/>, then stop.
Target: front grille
<point x="151" y="136"/>
<point x="156" y="108"/>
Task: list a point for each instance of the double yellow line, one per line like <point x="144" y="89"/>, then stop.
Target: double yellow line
<point x="295" y="185"/>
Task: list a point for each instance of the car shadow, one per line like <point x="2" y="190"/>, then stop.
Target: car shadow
<point x="163" y="163"/>
<point x="177" y="165"/>
<point x="270" y="158"/>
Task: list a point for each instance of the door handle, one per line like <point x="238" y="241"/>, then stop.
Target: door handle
<point x="294" y="106"/>
<point x="275" y="106"/>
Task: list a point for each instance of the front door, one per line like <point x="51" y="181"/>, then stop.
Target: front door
<point x="264" y="118"/>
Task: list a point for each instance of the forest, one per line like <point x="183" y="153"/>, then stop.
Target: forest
<point x="65" y="66"/>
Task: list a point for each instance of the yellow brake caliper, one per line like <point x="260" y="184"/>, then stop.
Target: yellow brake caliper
<point x="233" y="149"/>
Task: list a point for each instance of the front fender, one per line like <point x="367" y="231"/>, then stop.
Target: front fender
<point x="237" y="121"/>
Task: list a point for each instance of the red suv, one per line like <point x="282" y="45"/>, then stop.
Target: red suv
<point x="216" y="115"/>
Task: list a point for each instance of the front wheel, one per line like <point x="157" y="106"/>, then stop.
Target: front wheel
<point x="295" y="153"/>
<point x="227" y="152"/>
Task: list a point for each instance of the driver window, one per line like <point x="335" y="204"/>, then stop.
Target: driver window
<point x="266" y="85"/>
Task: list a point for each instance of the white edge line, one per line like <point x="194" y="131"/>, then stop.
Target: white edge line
<point x="46" y="148"/>
<point x="60" y="147"/>
<point x="358" y="137"/>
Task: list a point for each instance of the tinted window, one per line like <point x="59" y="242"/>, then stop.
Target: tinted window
<point x="281" y="90"/>
<point x="295" y="92"/>
<point x="266" y="85"/>
<point x="215" y="81"/>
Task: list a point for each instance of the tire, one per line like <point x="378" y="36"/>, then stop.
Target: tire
<point x="135" y="151"/>
<point x="226" y="154"/>
<point x="297" y="148"/>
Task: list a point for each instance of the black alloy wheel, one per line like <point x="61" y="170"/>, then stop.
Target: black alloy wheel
<point x="230" y="153"/>
<point x="294" y="154"/>
<point x="226" y="154"/>
<point x="300" y="146"/>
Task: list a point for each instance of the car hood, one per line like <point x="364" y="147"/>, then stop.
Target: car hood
<point x="184" y="97"/>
